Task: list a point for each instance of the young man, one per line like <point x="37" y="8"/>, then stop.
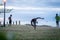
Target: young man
<point x="34" y="21"/>
<point x="57" y="20"/>
<point x="10" y="20"/>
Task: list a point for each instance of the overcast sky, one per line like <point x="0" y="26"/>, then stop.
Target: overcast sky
<point x="34" y="3"/>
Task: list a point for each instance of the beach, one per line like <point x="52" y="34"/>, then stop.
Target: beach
<point x="26" y="32"/>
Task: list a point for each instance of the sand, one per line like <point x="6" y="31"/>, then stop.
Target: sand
<point x="25" y="32"/>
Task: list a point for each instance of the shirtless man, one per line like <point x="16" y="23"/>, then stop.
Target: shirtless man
<point x="34" y="21"/>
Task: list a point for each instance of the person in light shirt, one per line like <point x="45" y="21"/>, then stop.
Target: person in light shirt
<point x="57" y="20"/>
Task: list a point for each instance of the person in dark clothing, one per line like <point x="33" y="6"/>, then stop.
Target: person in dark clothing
<point x="57" y="20"/>
<point x="10" y="20"/>
<point x="34" y="21"/>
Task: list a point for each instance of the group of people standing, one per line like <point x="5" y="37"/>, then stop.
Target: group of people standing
<point x="34" y="21"/>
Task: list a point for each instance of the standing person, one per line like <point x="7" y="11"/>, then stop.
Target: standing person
<point x="57" y="20"/>
<point x="10" y="20"/>
<point x="34" y="21"/>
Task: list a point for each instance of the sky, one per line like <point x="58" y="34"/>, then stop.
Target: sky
<point x="25" y="10"/>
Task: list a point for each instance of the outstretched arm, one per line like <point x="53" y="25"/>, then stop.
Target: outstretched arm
<point x="39" y="18"/>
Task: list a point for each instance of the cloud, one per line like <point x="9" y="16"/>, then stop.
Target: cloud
<point x="8" y="7"/>
<point x="35" y="8"/>
<point x="36" y="3"/>
<point x="1" y="19"/>
<point x="0" y="1"/>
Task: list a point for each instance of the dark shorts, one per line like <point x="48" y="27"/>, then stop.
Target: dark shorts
<point x="10" y="22"/>
<point x="57" y="22"/>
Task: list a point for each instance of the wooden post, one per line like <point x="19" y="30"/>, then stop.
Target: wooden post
<point x="13" y="22"/>
<point x="16" y="22"/>
<point x="0" y="23"/>
<point x="7" y="23"/>
<point x="19" y="22"/>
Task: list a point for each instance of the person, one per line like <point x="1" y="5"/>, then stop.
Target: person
<point x="57" y="20"/>
<point x="34" y="21"/>
<point x="10" y="20"/>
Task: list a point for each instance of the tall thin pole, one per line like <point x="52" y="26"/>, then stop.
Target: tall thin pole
<point x="4" y="13"/>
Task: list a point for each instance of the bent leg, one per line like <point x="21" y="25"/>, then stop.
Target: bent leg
<point x="57" y="23"/>
<point x="35" y="26"/>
